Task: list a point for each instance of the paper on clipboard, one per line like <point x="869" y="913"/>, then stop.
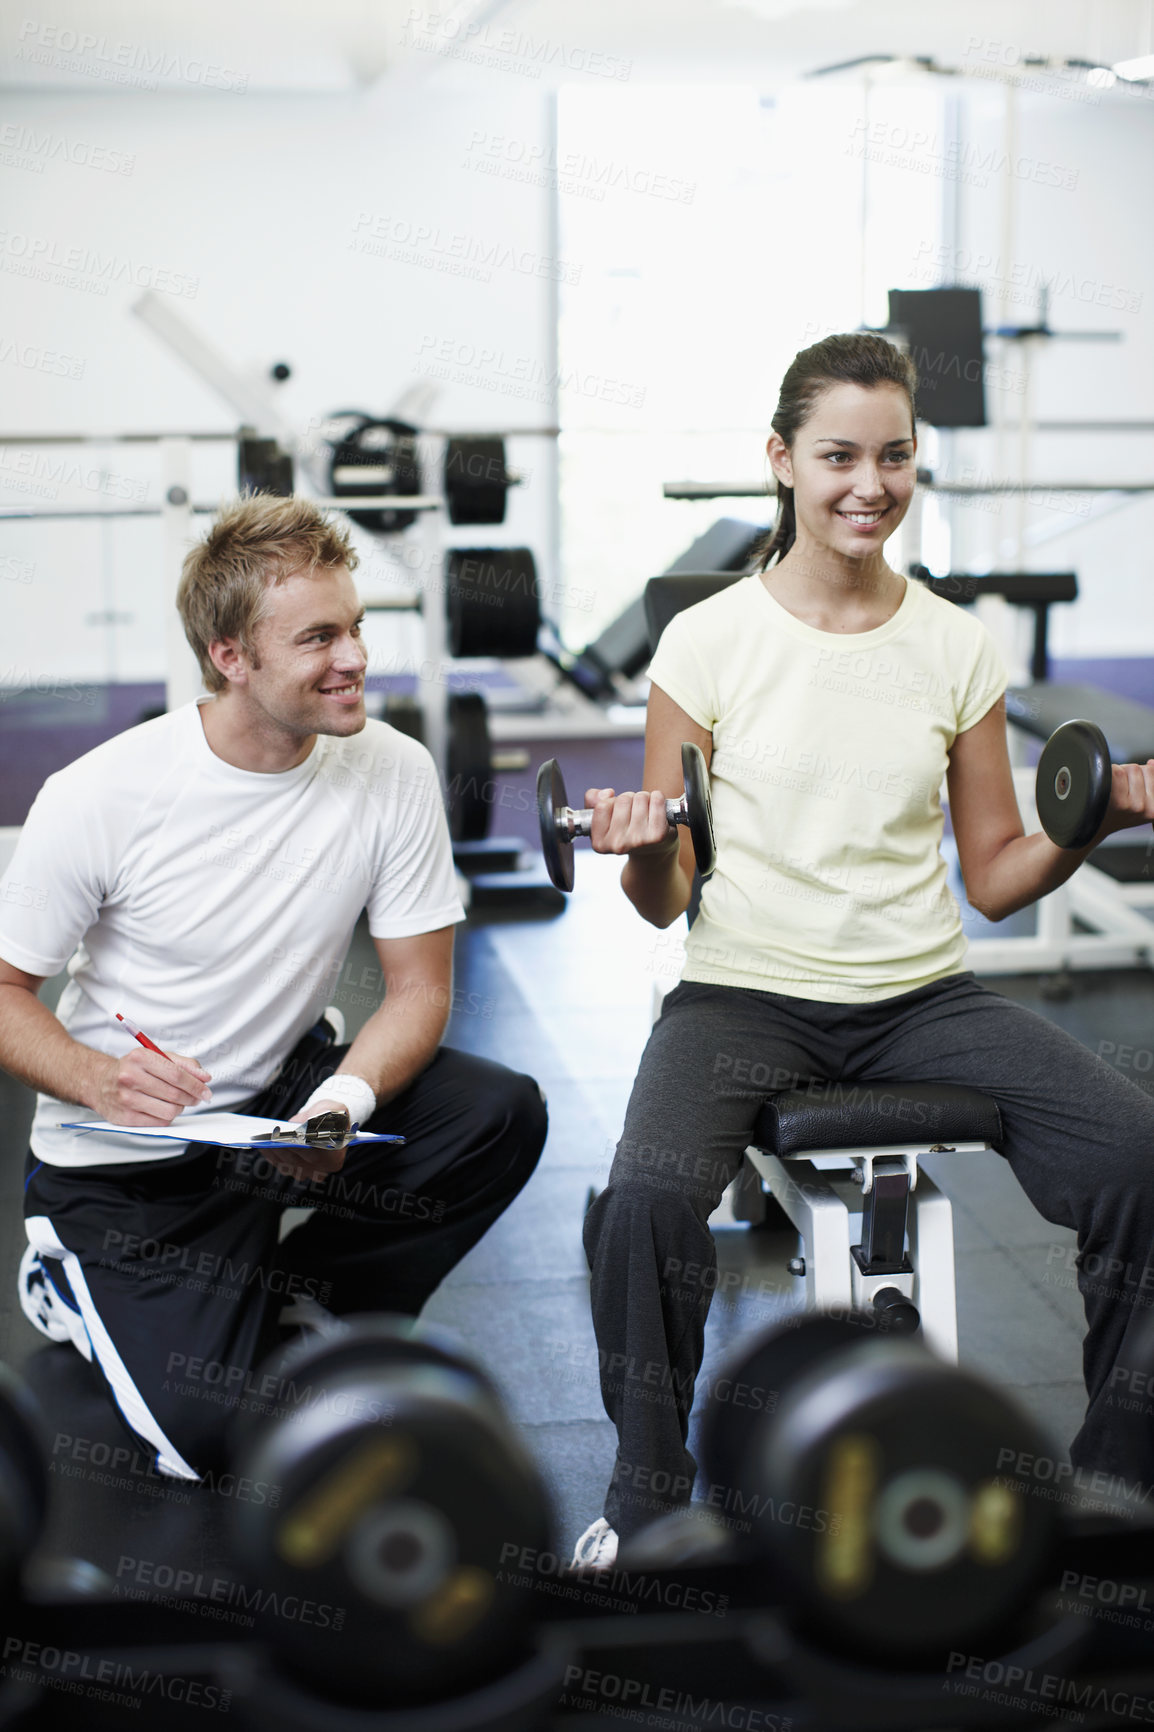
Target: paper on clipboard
<point x="222" y="1130"/>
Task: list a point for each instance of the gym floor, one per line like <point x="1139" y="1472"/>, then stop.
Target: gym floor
<point x="568" y="999"/>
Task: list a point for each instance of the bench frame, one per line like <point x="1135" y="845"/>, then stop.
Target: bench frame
<point x="830" y="1197"/>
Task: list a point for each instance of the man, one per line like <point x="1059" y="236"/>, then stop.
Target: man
<point x="204" y="873"/>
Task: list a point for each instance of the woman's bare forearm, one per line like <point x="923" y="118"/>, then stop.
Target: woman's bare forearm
<point x="1023" y="870"/>
<point x="656" y="884"/>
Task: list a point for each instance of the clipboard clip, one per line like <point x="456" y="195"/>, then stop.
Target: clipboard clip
<point x="331" y="1130"/>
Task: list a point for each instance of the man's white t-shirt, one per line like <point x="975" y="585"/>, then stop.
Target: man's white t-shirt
<point x="213" y="906"/>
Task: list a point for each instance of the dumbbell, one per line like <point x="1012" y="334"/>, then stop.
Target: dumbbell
<point x="561" y="824"/>
<point x="879" y="1489"/>
<point x="406" y="1506"/>
<point x="1072" y="787"/>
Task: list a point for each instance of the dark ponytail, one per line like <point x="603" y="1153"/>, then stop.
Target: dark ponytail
<point x="861" y="358"/>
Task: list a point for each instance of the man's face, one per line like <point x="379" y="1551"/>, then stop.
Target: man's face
<point x="307" y="676"/>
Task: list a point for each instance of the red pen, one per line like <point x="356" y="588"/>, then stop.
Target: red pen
<point x="138" y="1034"/>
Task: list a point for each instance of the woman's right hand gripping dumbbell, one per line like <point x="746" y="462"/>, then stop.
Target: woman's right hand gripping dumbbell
<point x="632" y="823"/>
<point x="659" y="869"/>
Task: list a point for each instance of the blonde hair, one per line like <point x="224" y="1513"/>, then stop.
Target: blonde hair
<point x="257" y="541"/>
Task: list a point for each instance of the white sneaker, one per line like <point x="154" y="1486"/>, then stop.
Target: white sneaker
<point x="597" y="1547"/>
<point x="45" y="1309"/>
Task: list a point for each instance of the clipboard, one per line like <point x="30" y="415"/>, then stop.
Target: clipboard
<point x="220" y="1130"/>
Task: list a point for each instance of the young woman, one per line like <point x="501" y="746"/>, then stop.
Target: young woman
<point x="830" y="696"/>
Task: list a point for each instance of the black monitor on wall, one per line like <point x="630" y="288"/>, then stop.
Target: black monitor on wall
<point x="943" y="331"/>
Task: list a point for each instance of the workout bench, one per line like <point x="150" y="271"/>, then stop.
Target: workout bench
<point x="842" y="1161"/>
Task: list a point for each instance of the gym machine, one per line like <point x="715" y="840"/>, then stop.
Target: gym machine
<point x="884" y="1541"/>
<point x="491" y="609"/>
<point x="373" y="467"/>
<point x="373" y="472"/>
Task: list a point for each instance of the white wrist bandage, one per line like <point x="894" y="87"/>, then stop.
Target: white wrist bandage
<point x="352" y="1091"/>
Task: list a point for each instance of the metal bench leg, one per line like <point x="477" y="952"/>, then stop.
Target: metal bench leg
<point x="931" y="1235"/>
<point x="819" y="1213"/>
<point x="824" y="1211"/>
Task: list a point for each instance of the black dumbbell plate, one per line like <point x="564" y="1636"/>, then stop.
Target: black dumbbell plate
<point x="696" y="777"/>
<point x="1072" y="790"/>
<point x="551" y="798"/>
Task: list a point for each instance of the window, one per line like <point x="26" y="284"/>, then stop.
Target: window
<point x="716" y="232"/>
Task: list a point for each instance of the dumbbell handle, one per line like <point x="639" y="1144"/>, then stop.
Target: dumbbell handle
<point x="573" y="821"/>
<point x="561" y="824"/>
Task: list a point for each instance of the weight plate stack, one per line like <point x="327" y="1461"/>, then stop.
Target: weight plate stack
<point x="374" y="457"/>
<point x="881" y="1485"/>
<point x="470" y="785"/>
<point x="403" y="1494"/>
<point x="1072" y="787"/>
<point x="262" y="467"/>
<point x="475" y="478"/>
<point x="406" y="715"/>
<point x="492" y="600"/>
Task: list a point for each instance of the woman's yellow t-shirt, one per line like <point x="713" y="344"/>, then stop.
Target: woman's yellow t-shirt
<point x="829" y="751"/>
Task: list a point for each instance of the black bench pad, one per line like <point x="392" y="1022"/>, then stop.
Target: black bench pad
<point x="1128" y="726"/>
<point x="871" y="1115"/>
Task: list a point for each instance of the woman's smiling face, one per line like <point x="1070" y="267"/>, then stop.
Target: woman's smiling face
<point x="851" y="468"/>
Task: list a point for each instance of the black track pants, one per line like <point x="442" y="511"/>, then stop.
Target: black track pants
<point x="1079" y="1137"/>
<point x="175" y="1267"/>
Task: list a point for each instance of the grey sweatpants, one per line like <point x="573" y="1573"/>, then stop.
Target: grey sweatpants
<point x="1079" y="1137"/>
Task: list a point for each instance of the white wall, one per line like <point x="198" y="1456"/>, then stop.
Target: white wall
<point x="253" y="213"/>
<point x="352" y="236"/>
<point x="701" y="297"/>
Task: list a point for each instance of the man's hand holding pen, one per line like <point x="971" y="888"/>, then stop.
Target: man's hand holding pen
<point x="151" y="1087"/>
<point x="148" y="1086"/>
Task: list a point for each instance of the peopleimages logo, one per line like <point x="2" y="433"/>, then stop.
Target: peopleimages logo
<point x="114" y="62"/>
<point x="106" y="1680"/>
<point x="27" y="147"/>
<point x="83" y="268"/>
